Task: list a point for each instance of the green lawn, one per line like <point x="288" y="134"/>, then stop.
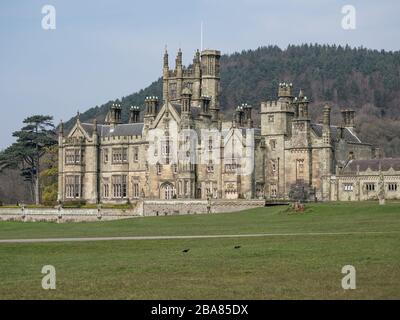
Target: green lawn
<point x="301" y="266"/>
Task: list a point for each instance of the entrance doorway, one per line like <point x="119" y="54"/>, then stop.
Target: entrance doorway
<point x="167" y="191"/>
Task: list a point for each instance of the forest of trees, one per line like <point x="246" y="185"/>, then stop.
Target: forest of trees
<point x="365" y="80"/>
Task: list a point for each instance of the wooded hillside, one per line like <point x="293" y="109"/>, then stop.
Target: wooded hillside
<point x="344" y="77"/>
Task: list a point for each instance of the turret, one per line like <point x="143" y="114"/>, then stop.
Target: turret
<point x="247" y="113"/>
<point x="178" y="63"/>
<point x="196" y="64"/>
<point x="165" y="62"/>
<point x="134" y="112"/>
<point x="178" y="73"/>
<point x="301" y="106"/>
<point x="285" y="91"/>
<point x="300" y="126"/>
<point x="165" y="75"/>
<point x="210" y="79"/>
<point x="196" y="83"/>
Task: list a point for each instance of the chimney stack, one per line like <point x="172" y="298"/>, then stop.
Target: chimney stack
<point x="348" y="118"/>
<point x="134" y="114"/>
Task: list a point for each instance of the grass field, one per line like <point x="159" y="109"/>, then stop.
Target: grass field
<point x="297" y="266"/>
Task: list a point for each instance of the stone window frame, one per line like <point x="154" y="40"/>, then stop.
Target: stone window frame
<point x="272" y="144"/>
<point x="348" y="187"/>
<point x="369" y="186"/>
<point x="136" y="190"/>
<point x="166" y="149"/>
<point x="73" y="186"/>
<point x="300" y="170"/>
<point x="271" y="118"/>
<point x="172" y="90"/>
<point x="105" y="155"/>
<point x="188" y="84"/>
<point x="186" y="187"/>
<point x="392" y="186"/>
<point x="73" y="155"/>
<point x="106" y="190"/>
<point x="273" y="167"/>
<point x="119" y="186"/>
<point x="158" y="168"/>
<point x="136" y="154"/>
<point x="230" y="188"/>
<point x="119" y="155"/>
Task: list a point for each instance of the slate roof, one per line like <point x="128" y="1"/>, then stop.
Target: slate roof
<point x="373" y="164"/>
<point x="348" y="135"/>
<point x="125" y="129"/>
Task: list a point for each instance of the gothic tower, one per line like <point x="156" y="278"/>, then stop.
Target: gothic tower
<point x="210" y="79"/>
<point x="276" y="125"/>
<point x="301" y="138"/>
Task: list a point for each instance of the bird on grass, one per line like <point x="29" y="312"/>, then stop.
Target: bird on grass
<point x="237" y="247"/>
<point x="186" y="250"/>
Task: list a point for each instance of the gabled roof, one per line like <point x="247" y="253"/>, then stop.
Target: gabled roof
<point x="373" y="164"/>
<point x="348" y="134"/>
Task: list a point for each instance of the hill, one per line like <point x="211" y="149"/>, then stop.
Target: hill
<point x="365" y="80"/>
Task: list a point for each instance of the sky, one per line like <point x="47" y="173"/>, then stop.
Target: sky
<point x="102" y="50"/>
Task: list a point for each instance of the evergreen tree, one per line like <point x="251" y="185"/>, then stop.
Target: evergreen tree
<point x="25" y="154"/>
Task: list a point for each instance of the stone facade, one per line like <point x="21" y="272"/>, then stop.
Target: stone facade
<point x="375" y="179"/>
<point x="180" y="148"/>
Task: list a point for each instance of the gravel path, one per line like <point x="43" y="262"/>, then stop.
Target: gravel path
<point x="193" y="236"/>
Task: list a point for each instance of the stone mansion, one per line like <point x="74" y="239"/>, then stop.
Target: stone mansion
<point x="179" y="147"/>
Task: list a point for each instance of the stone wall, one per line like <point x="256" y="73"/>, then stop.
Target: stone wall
<point x="65" y="215"/>
<point x="179" y="207"/>
<point x="142" y="208"/>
